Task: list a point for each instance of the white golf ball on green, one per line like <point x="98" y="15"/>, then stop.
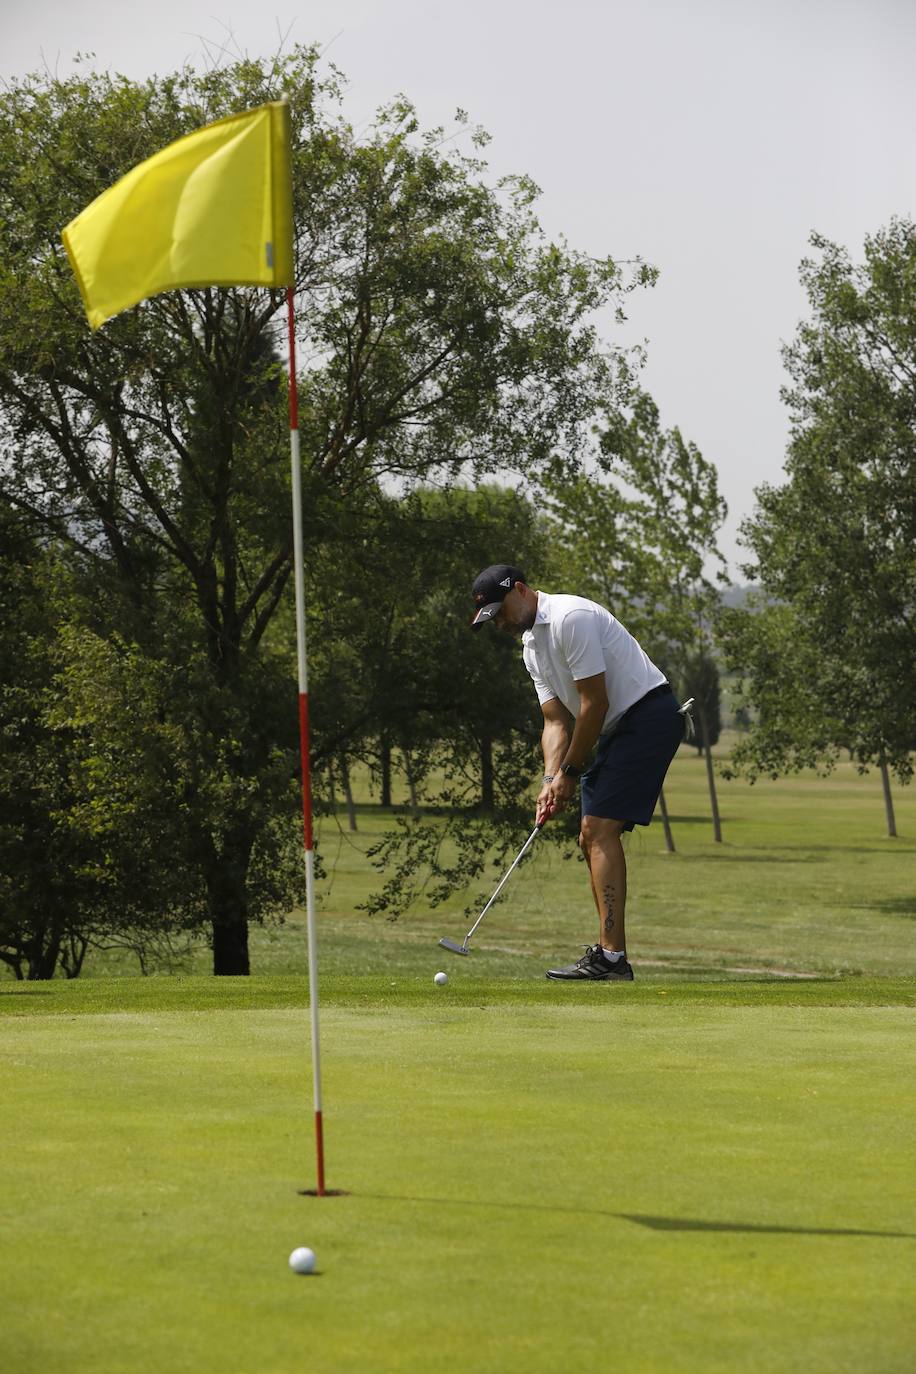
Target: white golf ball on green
<point x="302" y="1260"/>
<point x="440" y="980"/>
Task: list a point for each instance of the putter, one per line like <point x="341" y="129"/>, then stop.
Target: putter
<point x="463" y="949"/>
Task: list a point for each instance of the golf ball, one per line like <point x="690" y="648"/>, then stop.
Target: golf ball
<point x="440" y="980"/>
<point x="302" y="1260"/>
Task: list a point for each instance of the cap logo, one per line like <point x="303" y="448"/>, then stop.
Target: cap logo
<point x="506" y="582"/>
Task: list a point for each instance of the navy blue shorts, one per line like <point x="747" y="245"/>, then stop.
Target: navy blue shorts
<point x="625" y="777"/>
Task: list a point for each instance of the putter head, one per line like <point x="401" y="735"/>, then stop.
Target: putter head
<point x="454" y="947"/>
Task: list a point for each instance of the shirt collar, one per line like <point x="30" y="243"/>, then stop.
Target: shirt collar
<point x="542" y="617"/>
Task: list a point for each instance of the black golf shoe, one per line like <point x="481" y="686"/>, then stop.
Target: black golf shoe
<point x="593" y="967"/>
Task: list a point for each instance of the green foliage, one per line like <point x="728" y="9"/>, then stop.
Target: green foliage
<point x="167" y="763"/>
<point x="637" y="534"/>
<point x="780" y="676"/>
<point x="831" y="663"/>
<point x="700" y="680"/>
<point x="36" y="898"/>
<point x="56" y="899"/>
<point x="458" y="703"/>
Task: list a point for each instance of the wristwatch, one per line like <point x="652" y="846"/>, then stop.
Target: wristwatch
<point x="570" y="770"/>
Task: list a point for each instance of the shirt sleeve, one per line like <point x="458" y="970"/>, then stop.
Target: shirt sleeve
<point x="544" y="691"/>
<point x="580" y="644"/>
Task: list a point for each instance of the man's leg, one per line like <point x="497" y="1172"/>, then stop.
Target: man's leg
<point x="607" y="866"/>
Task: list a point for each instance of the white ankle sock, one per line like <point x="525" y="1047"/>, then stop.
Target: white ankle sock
<point x="612" y="955"/>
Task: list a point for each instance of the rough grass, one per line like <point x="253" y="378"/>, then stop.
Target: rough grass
<point x="805" y="882"/>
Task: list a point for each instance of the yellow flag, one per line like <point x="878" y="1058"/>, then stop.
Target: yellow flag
<point x="212" y="209"/>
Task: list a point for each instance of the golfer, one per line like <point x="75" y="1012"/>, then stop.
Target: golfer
<point x="596" y="686"/>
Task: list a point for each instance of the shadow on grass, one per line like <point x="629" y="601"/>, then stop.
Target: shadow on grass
<point x="688" y="820"/>
<point x="753" y="1228"/>
<point x="653" y="1223"/>
<point x="726" y="977"/>
<point x="779" y="854"/>
<point x="893" y="906"/>
<point x="719" y="856"/>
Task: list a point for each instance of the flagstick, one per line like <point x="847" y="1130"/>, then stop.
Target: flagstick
<point x="298" y="566"/>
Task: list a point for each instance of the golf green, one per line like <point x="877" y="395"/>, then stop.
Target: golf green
<point x="639" y="1183"/>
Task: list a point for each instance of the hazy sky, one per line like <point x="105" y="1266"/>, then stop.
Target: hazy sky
<point x="708" y="136"/>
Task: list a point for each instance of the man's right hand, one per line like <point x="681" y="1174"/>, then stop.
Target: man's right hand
<point x="544" y="806"/>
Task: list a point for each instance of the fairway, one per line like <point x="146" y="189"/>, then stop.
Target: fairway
<point x="644" y="1178"/>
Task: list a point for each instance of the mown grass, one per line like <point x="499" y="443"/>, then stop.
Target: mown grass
<point x="638" y="1183"/>
<point x="468" y="986"/>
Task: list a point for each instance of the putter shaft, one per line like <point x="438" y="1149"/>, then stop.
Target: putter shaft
<point x="463" y="949"/>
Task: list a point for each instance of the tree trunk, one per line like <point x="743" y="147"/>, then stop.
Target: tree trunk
<point x="710" y="775"/>
<point x="230" y="949"/>
<point x="487" y="799"/>
<point x="332" y="790"/>
<point x="411" y="784"/>
<point x="669" y="838"/>
<point x="73" y="954"/>
<point x="348" y="791"/>
<point x="385" y="749"/>
<point x="228" y="900"/>
<point x="42" y="954"/>
<point x="888" y="800"/>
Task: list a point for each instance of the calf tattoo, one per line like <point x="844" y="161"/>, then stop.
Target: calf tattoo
<point x="609" y="909"/>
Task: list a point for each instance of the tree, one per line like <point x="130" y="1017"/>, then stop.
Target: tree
<point x="40" y="921"/>
<point x="56" y="879"/>
<point x="389" y="649"/>
<point x="477" y="694"/>
<point x="443" y="337"/>
<point x="828" y="656"/>
<point x="458" y="704"/>
<point x="636" y="535"/>
<point x="701" y="681"/>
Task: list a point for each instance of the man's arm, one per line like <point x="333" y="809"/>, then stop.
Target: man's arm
<point x="556" y="734"/>
<point x="555" y="739"/>
<point x="592" y="711"/>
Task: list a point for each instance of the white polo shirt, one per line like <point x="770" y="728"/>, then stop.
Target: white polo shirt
<point x="573" y="638"/>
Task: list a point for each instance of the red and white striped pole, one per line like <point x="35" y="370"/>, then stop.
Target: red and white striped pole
<point x="299" y="575"/>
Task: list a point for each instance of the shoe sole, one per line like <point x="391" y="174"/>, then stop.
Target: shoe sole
<point x="602" y="978"/>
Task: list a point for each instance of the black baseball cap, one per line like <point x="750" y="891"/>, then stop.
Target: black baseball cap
<point x="491" y="587"/>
